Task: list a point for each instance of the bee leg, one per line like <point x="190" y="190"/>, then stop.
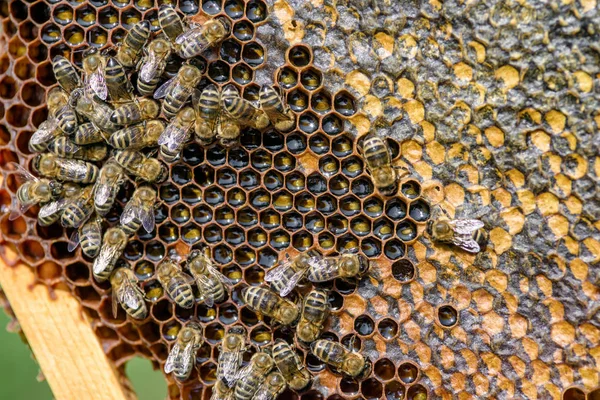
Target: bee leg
<point x="401" y="172"/>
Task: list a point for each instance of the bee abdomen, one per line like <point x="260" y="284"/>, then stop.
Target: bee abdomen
<point x="66" y="75"/>
<point x="87" y="133"/>
<point x="247" y="387"/>
<point x="170" y="22"/>
<point x="172" y="105"/>
<point x="140" y="313"/>
<point x="90" y="243"/>
<point x="147" y="88"/>
<point x="75" y="214"/>
<point x="138" y="35"/>
<point x="67" y="120"/>
<point x="185" y="297"/>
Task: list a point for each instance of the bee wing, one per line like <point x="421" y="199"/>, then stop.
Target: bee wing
<point x="263" y="393"/>
<point x="129" y="212"/>
<point x="187" y="355"/>
<point x="466" y="242"/>
<point x="164" y="88"/>
<point x="173" y="359"/>
<point x="230" y="363"/>
<point x="204" y="283"/>
<point x="129" y="295"/>
<point x="115" y="302"/>
<point x="74" y="240"/>
<point x="278" y="271"/>
<point x="276" y="116"/>
<point x="243" y="372"/>
<point x="102" y="194"/>
<point x="215" y="272"/>
<point x="45" y="132"/>
<point x="147" y="218"/>
<point x="173" y="137"/>
<point x="466" y="226"/>
<point x="77" y="170"/>
<point x="17" y="209"/>
<point x="97" y="84"/>
<point x="328" y="266"/>
<point x="292" y="282"/>
<point x="48" y="209"/>
<point x="107" y="253"/>
<point x="191" y="34"/>
<point x="149" y="69"/>
<point x="22" y="172"/>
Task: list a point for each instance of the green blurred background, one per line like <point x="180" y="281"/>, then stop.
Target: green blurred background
<point x="18" y="372"/>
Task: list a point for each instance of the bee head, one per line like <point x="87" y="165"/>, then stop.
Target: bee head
<point x="262" y="360"/>
<point x="190" y="74"/>
<point x="363" y="264"/>
<point x="237" y="330"/>
<point x="305" y="331"/>
<point x="150" y="108"/>
<point x="118" y="276"/>
<point x="289" y="314"/>
<point x="56" y="188"/>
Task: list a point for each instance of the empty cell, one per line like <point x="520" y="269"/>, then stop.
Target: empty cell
<point x="17" y="115"/>
<point x="447" y="316"/>
<point x="40" y="12"/>
<point x="32" y="94"/>
<point x="408" y="372"/>
<point x="371" y="389"/>
<point x="403" y="270"/>
<point x="28" y="31"/>
<point x="24" y="70"/>
<point x="16" y="48"/>
<point x="8" y="87"/>
<point x="211" y="7"/>
<point x="388" y="329"/>
<point x="18" y="10"/>
<point x="37" y="51"/>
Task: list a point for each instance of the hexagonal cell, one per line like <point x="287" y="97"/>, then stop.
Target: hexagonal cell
<point x="253" y="54"/>
<point x="230" y="51"/>
<point x="329" y="166"/>
<point x="297" y="100"/>
<point x="344" y="104"/>
<point x="18" y="10"/>
<point x="63" y="14"/>
<point x="411" y="189"/>
<point x="299" y="56"/>
<point x="417" y="392"/>
<point x="311" y="78"/>
<point x="408" y="372"/>
<point x="447" y="316"/>
<point x="243" y="30"/>
<point x="44" y="73"/>
<point x="373" y="207"/>
<point x="204" y="175"/>
<point x="40" y="12"/>
<point x="108" y="17"/>
<point x="395" y="209"/>
<point x="332" y="124"/>
<point x="222" y="254"/>
<point x="16" y="48"/>
<point x="295" y="182"/>
<point x="74" y="35"/>
<point x="403" y="270"/>
<point x="236" y="197"/>
<point x="251" y="92"/>
<point x="8" y="87"/>
<point x="130" y="17"/>
<point x="224" y="216"/>
<point x="394" y="249"/>
<point x="279" y="239"/>
<point x="296" y="143"/>
<point x="285" y="162"/>
<point x="256" y="11"/>
<point x="364" y="325"/>
<point x="60" y="50"/>
<point x="302" y="241"/>
<point x="273" y="180"/>
<point x="219" y="71"/>
<point x="388" y="329"/>
<point x="247" y="217"/>
<point x="394" y="390"/>
<point x="32" y="94"/>
<point x="211" y="7"/>
<point x="319" y="144"/>
<point x="85" y="16"/>
<point x="97" y="36"/>
<point x="406" y="231"/>
<point x="39" y="116"/>
<point x="242" y="74"/>
<point x="17" y="115"/>
<point x="371" y="389"/>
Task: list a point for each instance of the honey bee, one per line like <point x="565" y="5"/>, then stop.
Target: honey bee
<point x="208" y="110"/>
<point x="52" y="166"/>
<point x="96" y="111"/>
<point x="140" y="109"/>
<point x="126" y="292"/>
<point x="468" y="234"/>
<point x="182" y="356"/>
<point x="51" y="212"/>
<point x="139" y="211"/>
<point x="269" y="303"/>
<point x="252" y="376"/>
<point x="242" y="110"/>
<point x="290" y="365"/>
<point x="107" y="186"/>
<point x="178" y="89"/>
<point x="220" y="391"/>
<point x="88" y="133"/>
<point x="210" y="282"/>
<point x="231" y="355"/>
<point x="197" y="38"/>
<point x="62" y="146"/>
<point x="272" y="387"/>
<point x="344" y="266"/>
<point x="135" y="137"/>
<point x="144" y="167"/>
<point x="128" y="52"/>
<point x="176" y="283"/>
<point x="117" y="82"/>
<point x="314" y="313"/>
<point x="284" y="277"/>
<point x="89" y="236"/>
<point x="347" y="361"/>
<point x="113" y="244"/>
<point x="61" y="120"/>
<point x="170" y="22"/>
<point x="153" y="65"/>
<point x="78" y="211"/>
<point x="280" y="115"/>
<point x="378" y="158"/>
<point x="66" y="74"/>
<point x="93" y="67"/>
<point x="33" y="191"/>
<point x="177" y="133"/>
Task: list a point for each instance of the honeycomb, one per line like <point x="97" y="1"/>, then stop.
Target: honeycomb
<point x="492" y="107"/>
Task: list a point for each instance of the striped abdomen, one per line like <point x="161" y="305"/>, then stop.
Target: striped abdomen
<point x="88" y="133"/>
<point x="26" y="193"/>
<point x="215" y="289"/>
<point x="119" y="86"/>
<point x="140" y="313"/>
<point x="247" y="386"/>
<point x="278" y="284"/>
<point x="376" y="153"/>
<point x="90" y="239"/>
<point x="77" y="212"/>
<point x="66" y="74"/>
<point x="170" y="22"/>
<point x="66" y="119"/>
<point x="138" y="35"/>
<point x="330" y="352"/>
<point x="260" y="299"/>
<point x="148" y="88"/>
<point x="316" y="306"/>
<point x="181" y="292"/>
<point x="174" y="100"/>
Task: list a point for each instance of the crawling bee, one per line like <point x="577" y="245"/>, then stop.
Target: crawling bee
<point x="290" y="365"/>
<point x="197" y="38"/>
<point x="113" y="244"/>
<point x="280" y="115"/>
<point x="144" y="167"/>
<point x="52" y="166"/>
<point x="153" y="65"/>
<point x="139" y="211"/>
<point x="220" y="391"/>
<point x="96" y="111"/>
<point x="51" y="212"/>
<point x="61" y="120"/>
<point x="182" y="356"/>
<point x="272" y="387"/>
<point x="177" y="133"/>
<point x="93" y="67"/>
<point x="231" y="355"/>
<point x="210" y="282"/>
<point x="78" y="211"/>
<point x="242" y="110"/>
<point x="62" y="146"/>
<point x="314" y="314"/>
<point x="252" y="376"/>
<point x="88" y="133"/>
<point x="266" y="302"/>
<point x="378" y="158"/>
<point x="128" y="52"/>
<point x="135" y="137"/>
<point x="117" y="82"/>
<point x="176" y="283"/>
<point x="89" y="236"/>
<point x="347" y="361"/>
<point x="170" y="22"/>
<point x="138" y="110"/>
<point x="468" y="234"/>
<point x="284" y="277"/>
<point x="208" y="110"/>
<point x="33" y="191"/>
<point x="107" y="186"/>
<point x="66" y="74"/>
<point x="126" y="292"/>
<point x="344" y="266"/>
<point x="178" y="89"/>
